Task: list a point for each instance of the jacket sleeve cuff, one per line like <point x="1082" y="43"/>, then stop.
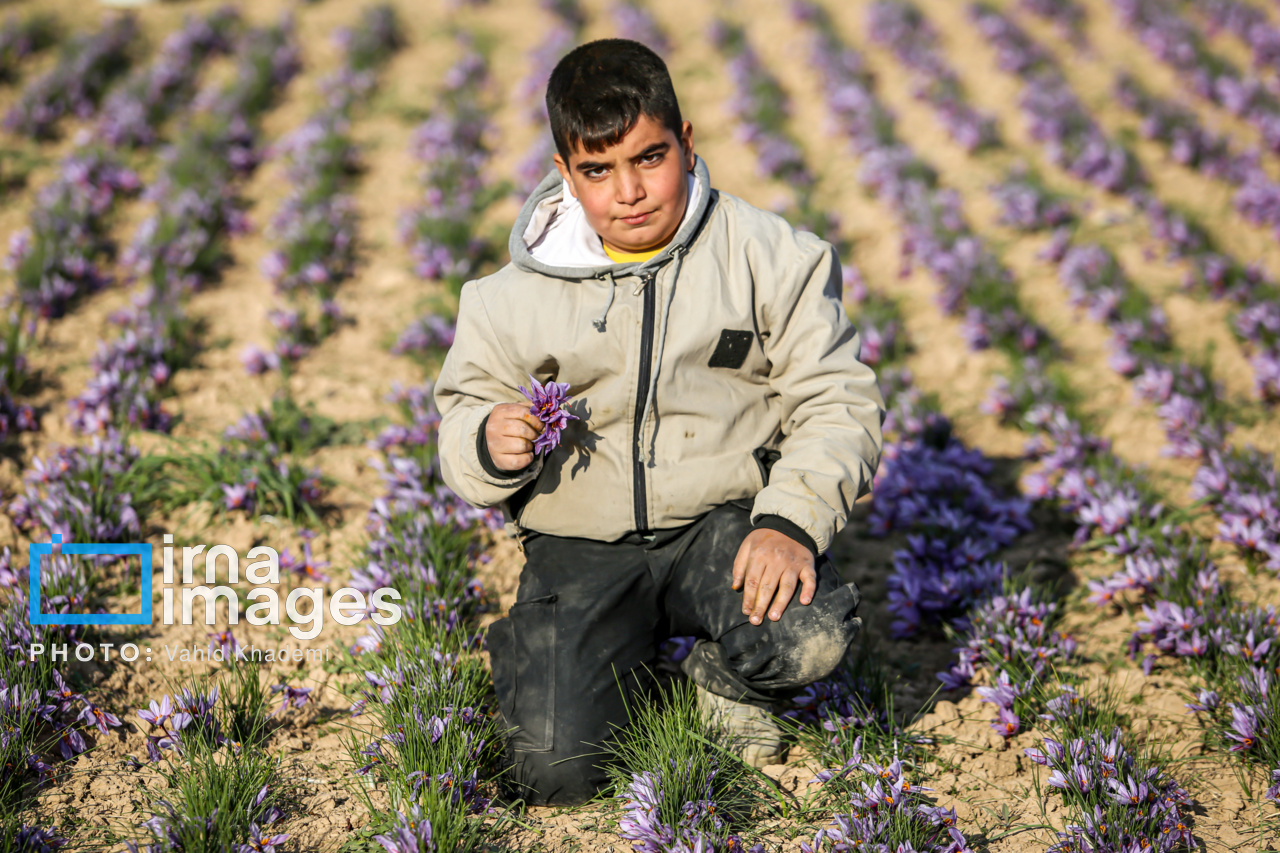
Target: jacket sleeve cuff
<point x="486" y="461"/>
<point x="787" y="528"/>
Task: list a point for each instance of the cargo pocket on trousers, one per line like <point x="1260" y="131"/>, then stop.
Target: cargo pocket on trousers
<point x="522" y="654"/>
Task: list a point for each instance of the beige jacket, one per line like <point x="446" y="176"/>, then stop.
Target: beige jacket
<point x="681" y="368"/>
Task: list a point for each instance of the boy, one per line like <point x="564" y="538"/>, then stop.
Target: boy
<point x="725" y="428"/>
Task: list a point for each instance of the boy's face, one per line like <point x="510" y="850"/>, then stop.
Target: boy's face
<point x="633" y="193"/>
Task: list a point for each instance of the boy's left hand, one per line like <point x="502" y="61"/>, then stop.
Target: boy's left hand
<point x="768" y="567"/>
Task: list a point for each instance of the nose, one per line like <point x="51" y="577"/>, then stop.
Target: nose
<point x="630" y="187"/>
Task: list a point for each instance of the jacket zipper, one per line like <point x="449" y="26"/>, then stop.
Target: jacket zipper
<point x="642" y="391"/>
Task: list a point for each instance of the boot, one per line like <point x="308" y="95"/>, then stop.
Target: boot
<point x="750" y="727"/>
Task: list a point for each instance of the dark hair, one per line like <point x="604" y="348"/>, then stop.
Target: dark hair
<point x="600" y="89"/>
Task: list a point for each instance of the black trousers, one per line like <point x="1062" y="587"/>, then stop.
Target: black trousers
<point x="589" y="618"/>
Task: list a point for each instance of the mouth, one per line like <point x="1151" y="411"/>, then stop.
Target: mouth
<point x="638" y="219"/>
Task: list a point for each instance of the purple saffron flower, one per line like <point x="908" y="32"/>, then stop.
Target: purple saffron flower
<point x="63" y="693"/>
<point x="412" y="833"/>
<point x="158" y="714"/>
<point x="956" y="677"/>
<point x="43" y="769"/>
<point x="238" y="496"/>
<point x="1002" y="694"/>
<point x="1205" y="702"/>
<point x="299" y="696"/>
<point x="1053" y="752"/>
<point x="1007" y="724"/>
<point x="374" y="753"/>
<point x="70" y="743"/>
<point x="309" y="568"/>
<point x="259" y="843"/>
<point x="257" y="361"/>
<point x="94" y="716"/>
<point x="193" y="707"/>
<point x="225" y="641"/>
<point x="549" y="406"/>
<point x="1128" y="793"/>
<point x="1244" y="728"/>
<point x="32" y="839"/>
<point x="1249" y="649"/>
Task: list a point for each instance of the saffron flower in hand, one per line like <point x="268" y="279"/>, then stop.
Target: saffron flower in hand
<point x="549" y="406"/>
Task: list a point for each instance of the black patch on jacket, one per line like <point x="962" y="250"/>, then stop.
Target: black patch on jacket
<point x="732" y="349"/>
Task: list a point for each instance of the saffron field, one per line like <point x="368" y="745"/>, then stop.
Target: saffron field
<point x="234" y="238"/>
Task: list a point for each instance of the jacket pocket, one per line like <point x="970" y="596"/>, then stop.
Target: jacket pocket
<point x="522" y="654"/>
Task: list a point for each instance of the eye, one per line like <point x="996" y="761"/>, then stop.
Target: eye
<point x="655" y="157"/>
<point x="597" y="172"/>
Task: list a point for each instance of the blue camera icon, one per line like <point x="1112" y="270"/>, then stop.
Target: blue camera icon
<point x="138" y="549"/>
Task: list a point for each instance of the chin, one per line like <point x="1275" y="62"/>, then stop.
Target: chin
<point x="640" y="239"/>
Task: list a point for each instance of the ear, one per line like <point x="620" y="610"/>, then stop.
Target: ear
<point x="686" y="144"/>
<point x="566" y="174"/>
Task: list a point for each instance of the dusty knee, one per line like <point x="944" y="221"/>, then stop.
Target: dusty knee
<point x="798" y="651"/>
<point x="812" y="655"/>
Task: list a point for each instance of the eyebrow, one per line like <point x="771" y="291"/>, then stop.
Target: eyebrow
<point x="655" y="148"/>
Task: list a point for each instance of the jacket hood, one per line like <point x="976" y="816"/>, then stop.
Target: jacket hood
<point x="551" y="235"/>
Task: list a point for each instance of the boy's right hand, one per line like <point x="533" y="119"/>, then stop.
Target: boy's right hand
<point x="510" y="433"/>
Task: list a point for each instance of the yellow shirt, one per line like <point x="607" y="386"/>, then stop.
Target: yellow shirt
<point x="629" y="257"/>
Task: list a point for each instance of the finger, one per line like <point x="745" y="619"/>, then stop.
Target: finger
<point x="510" y="411"/>
<point x="808" y="584"/>
<point x="513" y="461"/>
<point x="519" y="429"/>
<point x="750" y="583"/>
<point x="768" y="583"/>
<point x="740" y="564"/>
<point x="786" y="588"/>
<point x="533" y="421"/>
<point x="511" y="445"/>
